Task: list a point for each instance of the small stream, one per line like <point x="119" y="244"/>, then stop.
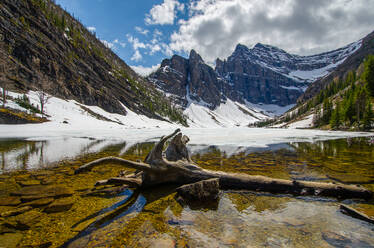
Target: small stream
<point x="57" y="208"/>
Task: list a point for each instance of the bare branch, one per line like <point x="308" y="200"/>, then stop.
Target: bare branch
<point x="114" y="160"/>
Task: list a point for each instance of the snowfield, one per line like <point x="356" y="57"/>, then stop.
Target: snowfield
<point x="231" y="128"/>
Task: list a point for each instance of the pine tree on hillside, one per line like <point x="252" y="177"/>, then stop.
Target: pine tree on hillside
<point x="335" y="117"/>
<point x="367" y="117"/>
<point x="368" y="74"/>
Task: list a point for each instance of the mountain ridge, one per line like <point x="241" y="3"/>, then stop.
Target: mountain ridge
<point x="263" y="74"/>
<point x="44" y="48"/>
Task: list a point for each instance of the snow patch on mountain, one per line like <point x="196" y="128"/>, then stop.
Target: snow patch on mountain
<point x="227" y="114"/>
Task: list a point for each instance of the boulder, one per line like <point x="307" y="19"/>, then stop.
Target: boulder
<point x="200" y="191"/>
<point x="60" y="205"/>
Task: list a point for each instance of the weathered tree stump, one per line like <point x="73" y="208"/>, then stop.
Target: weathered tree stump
<point x="175" y="166"/>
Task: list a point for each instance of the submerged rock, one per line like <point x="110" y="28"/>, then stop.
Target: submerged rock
<point x="200" y="191"/>
<point x="335" y="239"/>
<point x="28" y="183"/>
<point x="60" y="205"/>
<point x="32" y="193"/>
<point x="10" y="201"/>
<point x="39" y="202"/>
<point x="16" y="211"/>
<point x="24" y="221"/>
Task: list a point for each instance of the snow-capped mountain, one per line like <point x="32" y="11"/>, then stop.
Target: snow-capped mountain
<point x="300" y="68"/>
<point x="265" y="80"/>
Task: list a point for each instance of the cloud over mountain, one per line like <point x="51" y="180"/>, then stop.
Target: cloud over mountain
<point x="214" y="27"/>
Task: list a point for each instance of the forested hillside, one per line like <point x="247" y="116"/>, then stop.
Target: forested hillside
<point x="345" y="104"/>
<point x="43" y="47"/>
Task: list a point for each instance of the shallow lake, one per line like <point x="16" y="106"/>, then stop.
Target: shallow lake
<point x="154" y="218"/>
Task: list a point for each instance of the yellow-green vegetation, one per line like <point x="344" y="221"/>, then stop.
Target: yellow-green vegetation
<point x="30" y="118"/>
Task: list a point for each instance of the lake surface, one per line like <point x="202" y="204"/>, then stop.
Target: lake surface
<point x="154" y="218"/>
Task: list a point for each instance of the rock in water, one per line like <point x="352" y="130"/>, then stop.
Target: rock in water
<point x="10" y="201"/>
<point x="16" y="211"/>
<point x="60" y="205"/>
<point x="24" y="221"/>
<point x="39" y="202"/>
<point x="28" y="183"/>
<point x="200" y="191"/>
<point x="32" y="193"/>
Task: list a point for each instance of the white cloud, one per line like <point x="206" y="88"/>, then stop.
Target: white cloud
<point x="137" y="56"/>
<point x="215" y="27"/>
<point x="136" y="44"/>
<point x="145" y="71"/>
<point x="141" y="31"/>
<point x="164" y="13"/>
<point x="157" y="33"/>
<point x="155" y="45"/>
<point x="91" y="29"/>
<point x="122" y="44"/>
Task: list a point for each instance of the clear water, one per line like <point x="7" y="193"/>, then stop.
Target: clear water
<point x="153" y="218"/>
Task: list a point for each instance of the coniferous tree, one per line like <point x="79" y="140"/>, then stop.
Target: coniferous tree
<point x="335" y="117"/>
<point x="367" y="117"/>
<point x="368" y="74"/>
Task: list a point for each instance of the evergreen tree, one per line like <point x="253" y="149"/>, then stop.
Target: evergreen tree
<point x="368" y="74"/>
<point x="367" y="117"/>
<point x="335" y="117"/>
<point x="327" y="109"/>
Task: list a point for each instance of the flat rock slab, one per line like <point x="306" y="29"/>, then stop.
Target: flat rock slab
<point x="28" y="183"/>
<point x="10" y="201"/>
<point x="37" y="192"/>
<point x="16" y="211"/>
<point x="60" y="205"/>
<point x="200" y="191"/>
<point x="39" y="203"/>
<point x="24" y="221"/>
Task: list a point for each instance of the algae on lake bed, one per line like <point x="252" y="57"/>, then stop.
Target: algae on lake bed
<point x="153" y="218"/>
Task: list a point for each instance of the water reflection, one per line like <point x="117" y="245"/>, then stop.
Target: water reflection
<point x="154" y="218"/>
<point x="28" y="155"/>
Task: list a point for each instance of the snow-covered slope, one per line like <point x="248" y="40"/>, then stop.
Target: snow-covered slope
<point x="228" y="114"/>
<point x="71" y="115"/>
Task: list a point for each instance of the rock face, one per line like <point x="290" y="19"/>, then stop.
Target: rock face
<point x="263" y="74"/>
<point x="189" y="80"/>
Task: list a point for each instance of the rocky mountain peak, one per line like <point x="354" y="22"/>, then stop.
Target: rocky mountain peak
<point x="195" y="57"/>
<point x="263" y="74"/>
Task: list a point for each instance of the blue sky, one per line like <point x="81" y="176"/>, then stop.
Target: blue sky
<point x="144" y="32"/>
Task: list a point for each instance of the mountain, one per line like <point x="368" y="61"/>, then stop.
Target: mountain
<point x="263" y="79"/>
<point x="43" y="47"/>
<point x="350" y="64"/>
<point x="344" y="104"/>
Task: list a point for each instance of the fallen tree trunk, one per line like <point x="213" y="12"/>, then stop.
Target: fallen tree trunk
<point x="177" y="167"/>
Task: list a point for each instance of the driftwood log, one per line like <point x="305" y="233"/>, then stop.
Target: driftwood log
<point x="175" y="166"/>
